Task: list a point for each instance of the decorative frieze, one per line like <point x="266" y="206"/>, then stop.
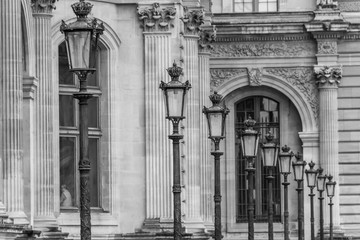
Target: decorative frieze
<point x="155" y="18"/>
<point x="327" y="4"/>
<point x="220" y="76"/>
<point x="272" y="49"/>
<point x="255" y="75"/>
<point x="326" y="75"/>
<point x="192" y="21"/>
<point x="43" y="6"/>
<point x="302" y="79"/>
<point x="206" y="38"/>
<point x="327" y="47"/>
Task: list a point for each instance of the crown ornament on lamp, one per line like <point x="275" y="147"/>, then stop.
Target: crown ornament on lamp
<point x="82" y="8"/>
<point x="175" y="72"/>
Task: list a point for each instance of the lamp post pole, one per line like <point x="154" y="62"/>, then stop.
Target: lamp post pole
<point x="311" y="182"/>
<point x="217" y="196"/>
<point x="270" y="213"/>
<point x="330" y="189"/>
<point x="251" y="206"/>
<point x="286" y="208"/>
<point x="321" y="180"/>
<point x="312" y="213"/>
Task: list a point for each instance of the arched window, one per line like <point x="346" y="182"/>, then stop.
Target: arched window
<point x="255" y="5"/>
<point x="69" y="134"/>
<point x="266" y="113"/>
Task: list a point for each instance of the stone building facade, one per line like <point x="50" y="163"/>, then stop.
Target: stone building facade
<point x="292" y="65"/>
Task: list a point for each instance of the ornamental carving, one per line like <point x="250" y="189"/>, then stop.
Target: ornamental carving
<point x="192" y="21"/>
<point x="220" y="76"/>
<point x="327" y="47"/>
<point x="206" y="37"/>
<point x="303" y="80"/>
<point x="274" y="49"/>
<point x="255" y="76"/>
<point x="323" y="4"/>
<point x="155" y="18"/>
<point x="326" y="75"/>
<point x="43" y="6"/>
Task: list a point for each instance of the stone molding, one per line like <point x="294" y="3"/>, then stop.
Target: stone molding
<point x="327" y="47"/>
<point x="265" y="38"/>
<point x="155" y="18"/>
<point x="327" y="4"/>
<point x="269" y="49"/>
<point x="192" y="20"/>
<point x="219" y="76"/>
<point x="30" y="85"/>
<point x="206" y="38"/>
<point x="43" y="6"/>
<point x="255" y="76"/>
<point x="328" y="76"/>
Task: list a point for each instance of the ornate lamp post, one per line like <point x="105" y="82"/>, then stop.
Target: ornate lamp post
<point x="311" y="182"/>
<point x="299" y="166"/>
<point x="285" y="169"/>
<point x="174" y="96"/>
<point x="249" y="139"/>
<point x="330" y="190"/>
<point x="216" y="116"/>
<point x="81" y="39"/>
<point x="270" y="152"/>
<point x="320" y="185"/>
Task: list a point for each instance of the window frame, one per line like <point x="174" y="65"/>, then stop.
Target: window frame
<point x="255" y="6"/>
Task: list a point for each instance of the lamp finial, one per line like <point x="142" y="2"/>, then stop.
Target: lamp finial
<point x="82" y="9"/>
<point x="215" y="98"/>
<point x="175" y="72"/>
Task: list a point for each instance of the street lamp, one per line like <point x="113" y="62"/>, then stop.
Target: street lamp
<point x="285" y="169"/>
<point x="81" y="39"/>
<point x="299" y="166"/>
<point x="249" y="139"/>
<point x="174" y="96"/>
<point x="216" y="116"/>
<point x="320" y="185"/>
<point x="311" y="182"/>
<point x="330" y="190"/>
<point x="270" y="152"/>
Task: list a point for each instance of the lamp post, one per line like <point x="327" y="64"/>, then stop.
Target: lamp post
<point x="285" y="169"/>
<point x="330" y="190"/>
<point x="174" y="96"/>
<point x="320" y="185"/>
<point x="311" y="182"/>
<point x="81" y="39"/>
<point x="216" y="116"/>
<point x="249" y="139"/>
<point x="270" y="152"/>
<point x="298" y="167"/>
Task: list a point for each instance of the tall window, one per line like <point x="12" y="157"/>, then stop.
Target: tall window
<point x="255" y="6"/>
<point x="69" y="134"/>
<point x="266" y="113"/>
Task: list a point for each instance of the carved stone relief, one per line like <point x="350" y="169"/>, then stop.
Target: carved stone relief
<point x="326" y="75"/>
<point x="206" y="38"/>
<point x="220" y="76"/>
<point x="192" y="21"/>
<point x="263" y="49"/>
<point x="155" y="18"/>
<point x="43" y="6"/>
<point x="255" y="75"/>
<point x="327" y="47"/>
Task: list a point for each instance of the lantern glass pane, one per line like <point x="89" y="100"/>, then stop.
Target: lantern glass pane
<point x="79" y="43"/>
<point x="269" y="156"/>
<point x="175" y="100"/>
<point x="215" y="121"/>
<point x="248" y="145"/>
<point x="285" y="164"/>
<point x="330" y="189"/>
<point x="298" y="172"/>
<point x="321" y="183"/>
<point x="311" y="179"/>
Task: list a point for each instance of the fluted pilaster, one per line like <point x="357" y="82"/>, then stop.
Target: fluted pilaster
<point x="44" y="154"/>
<point x="11" y="105"/>
<point x="328" y="80"/>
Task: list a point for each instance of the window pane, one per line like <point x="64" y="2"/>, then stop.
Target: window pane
<point x="93" y="156"/>
<point x="248" y="7"/>
<point x="67" y="172"/>
<point x="263" y="7"/>
<point x="92" y="79"/>
<point x="65" y="76"/>
<point x="93" y="113"/>
<point x="239" y="7"/>
<point x="272" y="7"/>
<point x="66" y="111"/>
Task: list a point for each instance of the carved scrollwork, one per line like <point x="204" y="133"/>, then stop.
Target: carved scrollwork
<point x="302" y="79"/>
<point x="220" y="76"/>
<point x="255" y="75"/>
<point x="192" y="21"/>
<point x="327" y="47"/>
<point x="326" y="75"/>
<point x="43" y="6"/>
<point x="206" y="38"/>
<point x="155" y="18"/>
<point x="276" y="49"/>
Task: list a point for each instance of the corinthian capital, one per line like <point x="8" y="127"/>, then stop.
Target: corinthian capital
<point x="206" y="37"/>
<point x="155" y="18"/>
<point x="43" y="6"/>
<point x="326" y="75"/>
<point x="192" y="21"/>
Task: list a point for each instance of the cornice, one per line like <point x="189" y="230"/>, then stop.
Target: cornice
<point x="263" y="37"/>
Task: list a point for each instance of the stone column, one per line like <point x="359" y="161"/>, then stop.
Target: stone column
<point x="328" y="79"/>
<point x="206" y="161"/>
<point x="157" y="24"/>
<point x="44" y="154"/>
<point x="11" y="70"/>
<point x="192" y="20"/>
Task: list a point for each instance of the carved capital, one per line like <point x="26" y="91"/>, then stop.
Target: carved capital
<point x="43" y="6"/>
<point x="327" y="4"/>
<point x="326" y="75"/>
<point x="255" y="76"/>
<point x="206" y="37"/>
<point x="327" y="47"/>
<point x="155" y="18"/>
<point x="192" y="21"/>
